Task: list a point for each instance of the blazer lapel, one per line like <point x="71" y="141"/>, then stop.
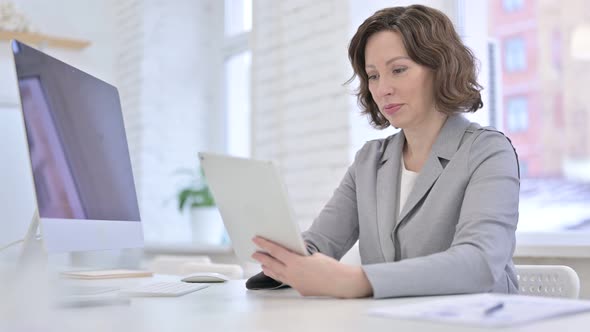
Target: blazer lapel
<point x="428" y="175"/>
<point x="445" y="147"/>
<point x="387" y="188"/>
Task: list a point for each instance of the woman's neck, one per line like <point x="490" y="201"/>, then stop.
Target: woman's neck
<point x="419" y="141"/>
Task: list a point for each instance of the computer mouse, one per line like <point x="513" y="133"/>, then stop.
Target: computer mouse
<point x="205" y="277"/>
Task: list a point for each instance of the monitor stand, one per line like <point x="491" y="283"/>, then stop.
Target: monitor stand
<point x="33" y="250"/>
<point x="33" y="258"/>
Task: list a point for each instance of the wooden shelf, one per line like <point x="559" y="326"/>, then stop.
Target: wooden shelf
<point x="45" y="40"/>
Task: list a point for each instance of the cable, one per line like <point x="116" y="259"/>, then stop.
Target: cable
<point x="11" y="244"/>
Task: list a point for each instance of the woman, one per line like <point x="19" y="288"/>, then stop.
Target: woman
<point x="435" y="206"/>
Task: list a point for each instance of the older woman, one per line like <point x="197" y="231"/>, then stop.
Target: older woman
<point x="435" y="206"/>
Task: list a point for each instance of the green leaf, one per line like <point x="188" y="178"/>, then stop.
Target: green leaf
<point x="195" y="195"/>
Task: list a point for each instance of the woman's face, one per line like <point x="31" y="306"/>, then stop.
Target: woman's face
<point x="402" y="89"/>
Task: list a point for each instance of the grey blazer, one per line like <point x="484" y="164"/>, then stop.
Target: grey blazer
<point x="456" y="232"/>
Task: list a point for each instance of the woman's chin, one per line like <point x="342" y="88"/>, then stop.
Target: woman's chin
<point x="394" y="120"/>
<point x="396" y="123"/>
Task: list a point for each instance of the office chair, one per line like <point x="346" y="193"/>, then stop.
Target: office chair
<point x="537" y="280"/>
<point x="548" y="280"/>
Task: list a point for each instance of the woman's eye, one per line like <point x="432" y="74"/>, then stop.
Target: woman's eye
<point x="399" y="70"/>
<point x="372" y="77"/>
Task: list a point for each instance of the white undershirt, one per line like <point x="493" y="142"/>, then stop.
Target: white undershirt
<point x="407" y="183"/>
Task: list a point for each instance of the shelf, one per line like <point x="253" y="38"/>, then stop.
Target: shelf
<point x="45" y="40"/>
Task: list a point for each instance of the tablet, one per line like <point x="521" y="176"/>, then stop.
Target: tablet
<point x="252" y="200"/>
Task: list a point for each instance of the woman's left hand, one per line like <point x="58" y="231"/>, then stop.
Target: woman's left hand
<point x="315" y="275"/>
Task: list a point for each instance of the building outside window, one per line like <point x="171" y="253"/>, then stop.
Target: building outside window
<point x="512" y="5"/>
<point x="517" y="114"/>
<point x="514" y="54"/>
<point x="546" y="112"/>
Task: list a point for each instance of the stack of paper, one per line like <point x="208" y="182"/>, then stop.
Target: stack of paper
<point x="106" y="274"/>
<point x="490" y="310"/>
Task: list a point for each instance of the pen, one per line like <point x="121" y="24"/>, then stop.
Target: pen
<point x="490" y="310"/>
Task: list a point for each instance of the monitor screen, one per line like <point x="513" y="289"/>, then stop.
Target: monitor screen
<point x="78" y="150"/>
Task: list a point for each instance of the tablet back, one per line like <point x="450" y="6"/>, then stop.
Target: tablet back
<point x="252" y="199"/>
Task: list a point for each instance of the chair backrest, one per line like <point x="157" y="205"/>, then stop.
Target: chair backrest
<point x="548" y="280"/>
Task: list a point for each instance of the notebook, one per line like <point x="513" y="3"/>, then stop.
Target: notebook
<point x="485" y="310"/>
<point x="106" y="274"/>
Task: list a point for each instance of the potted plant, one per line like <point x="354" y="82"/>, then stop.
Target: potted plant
<point x="194" y="196"/>
<point x="196" y="199"/>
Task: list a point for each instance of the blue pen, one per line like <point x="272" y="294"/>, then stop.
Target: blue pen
<point x="490" y="310"/>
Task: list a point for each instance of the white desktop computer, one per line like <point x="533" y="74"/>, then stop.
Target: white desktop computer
<point x="82" y="177"/>
<point x="79" y="157"/>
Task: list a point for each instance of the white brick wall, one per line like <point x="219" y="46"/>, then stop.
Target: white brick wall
<point x="170" y="71"/>
<point x="300" y="108"/>
<point x="128" y="17"/>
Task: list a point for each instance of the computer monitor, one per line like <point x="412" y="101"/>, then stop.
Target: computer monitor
<point x="82" y="175"/>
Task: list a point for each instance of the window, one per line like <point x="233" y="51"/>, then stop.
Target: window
<point x="514" y="54"/>
<point x="518" y="115"/>
<point x="546" y="116"/>
<point x="238" y="23"/>
<point x="512" y="5"/>
<point x="238" y="17"/>
<point x="237" y="78"/>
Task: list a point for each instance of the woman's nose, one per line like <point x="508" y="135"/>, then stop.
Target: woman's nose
<point x="385" y="88"/>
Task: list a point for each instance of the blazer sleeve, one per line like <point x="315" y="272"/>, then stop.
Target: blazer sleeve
<point x="484" y="238"/>
<point x="336" y="228"/>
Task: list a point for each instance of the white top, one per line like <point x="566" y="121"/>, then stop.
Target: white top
<point x="406" y="185"/>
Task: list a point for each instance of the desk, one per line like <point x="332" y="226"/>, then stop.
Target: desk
<point x="230" y="307"/>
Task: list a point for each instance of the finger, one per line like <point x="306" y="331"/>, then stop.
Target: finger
<point x="270" y="273"/>
<point x="270" y="266"/>
<point x="266" y="259"/>
<point x="277" y="251"/>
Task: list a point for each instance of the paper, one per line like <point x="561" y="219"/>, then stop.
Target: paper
<point x="489" y="310"/>
<point x="106" y="274"/>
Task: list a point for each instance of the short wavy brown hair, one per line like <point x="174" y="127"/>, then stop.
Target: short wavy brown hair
<point x="430" y="40"/>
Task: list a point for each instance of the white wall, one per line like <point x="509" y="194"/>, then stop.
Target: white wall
<point x="300" y="108"/>
<point x="180" y="110"/>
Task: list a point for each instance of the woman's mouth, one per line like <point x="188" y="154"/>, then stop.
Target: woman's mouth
<point x="391" y="109"/>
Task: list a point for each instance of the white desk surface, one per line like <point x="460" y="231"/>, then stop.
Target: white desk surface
<point x="230" y="307"/>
